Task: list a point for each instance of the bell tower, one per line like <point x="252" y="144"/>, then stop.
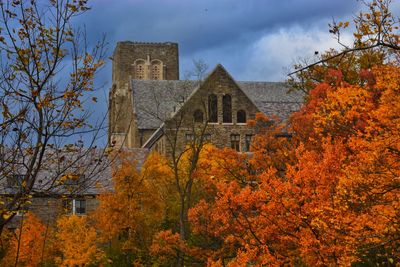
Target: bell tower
<point x="136" y="61"/>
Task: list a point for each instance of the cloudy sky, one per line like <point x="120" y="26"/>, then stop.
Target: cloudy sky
<point x="253" y="39"/>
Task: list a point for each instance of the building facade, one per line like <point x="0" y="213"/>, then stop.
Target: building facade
<point x="151" y="108"/>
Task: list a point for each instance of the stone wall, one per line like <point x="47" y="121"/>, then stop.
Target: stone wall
<point x="121" y="117"/>
<point x="220" y="84"/>
<point x="49" y="209"/>
<point x="126" y="53"/>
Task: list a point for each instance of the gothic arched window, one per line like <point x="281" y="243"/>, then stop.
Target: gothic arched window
<point x="198" y="116"/>
<point x="241" y="116"/>
<point x="227" y="108"/>
<point x="139" y="70"/>
<point x="213" y="108"/>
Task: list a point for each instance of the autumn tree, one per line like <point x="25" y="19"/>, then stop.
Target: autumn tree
<point x="27" y="246"/>
<point x="225" y="222"/>
<point x="367" y="129"/>
<point x="216" y="170"/>
<point x="375" y="42"/>
<point x="128" y="217"/>
<point x="335" y="201"/>
<point x="174" y="123"/>
<point x="76" y="241"/>
<point x="46" y="75"/>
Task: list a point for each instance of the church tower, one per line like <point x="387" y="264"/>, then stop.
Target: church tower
<point x="136" y="61"/>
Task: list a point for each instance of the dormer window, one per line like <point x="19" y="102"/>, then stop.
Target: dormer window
<point x="15" y="181"/>
<point x="74" y="179"/>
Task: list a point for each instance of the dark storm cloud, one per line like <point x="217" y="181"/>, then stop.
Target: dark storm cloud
<point x="201" y="25"/>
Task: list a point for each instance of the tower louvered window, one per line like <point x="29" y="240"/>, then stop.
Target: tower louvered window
<point x="156" y="72"/>
<point x="140" y="69"/>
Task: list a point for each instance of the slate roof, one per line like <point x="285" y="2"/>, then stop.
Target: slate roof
<point x="155" y="101"/>
<point x="94" y="167"/>
<point x="91" y="166"/>
<point x="273" y="98"/>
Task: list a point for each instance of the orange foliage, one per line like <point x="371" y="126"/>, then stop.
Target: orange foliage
<point x="328" y="196"/>
<point x="31" y="243"/>
<point x="167" y="245"/>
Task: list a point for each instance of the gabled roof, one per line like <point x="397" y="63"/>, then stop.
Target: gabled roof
<point x="155" y="101"/>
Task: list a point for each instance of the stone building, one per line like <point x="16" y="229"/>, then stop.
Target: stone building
<point x="68" y="182"/>
<point x="150" y="106"/>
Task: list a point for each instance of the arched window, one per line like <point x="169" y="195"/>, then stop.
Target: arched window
<point x="198" y="116"/>
<point x="139" y="70"/>
<point x="156" y="71"/>
<point x="227" y="108"/>
<point x="213" y="108"/>
<point x="241" y="116"/>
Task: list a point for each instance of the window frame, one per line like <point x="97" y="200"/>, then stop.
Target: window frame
<point x="189" y="137"/>
<point x="235" y="141"/>
<point x="242" y="113"/>
<point x="75" y="210"/>
<point x="70" y="206"/>
<point x="207" y="138"/>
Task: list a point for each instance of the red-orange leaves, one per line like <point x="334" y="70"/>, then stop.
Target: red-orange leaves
<point x="329" y="195"/>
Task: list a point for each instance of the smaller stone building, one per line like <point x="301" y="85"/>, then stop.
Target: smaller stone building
<point x="68" y="182"/>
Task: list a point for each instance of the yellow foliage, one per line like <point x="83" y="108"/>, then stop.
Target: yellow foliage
<point x="76" y="241"/>
<point x="135" y="209"/>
